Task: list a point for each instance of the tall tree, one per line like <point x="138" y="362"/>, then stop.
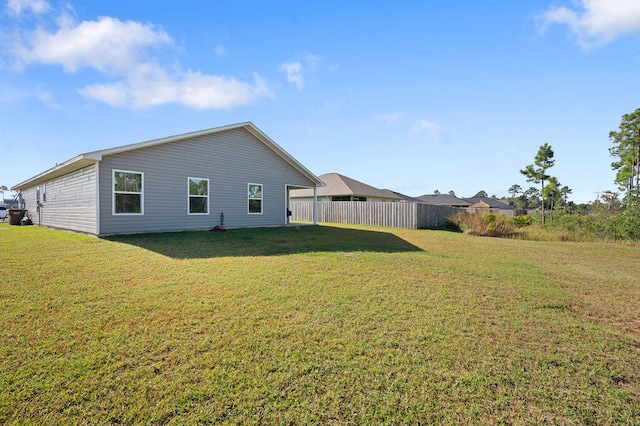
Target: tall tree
<point x="532" y="196"/>
<point x="564" y="193"/>
<point x="626" y="149"/>
<point x="610" y="199"/>
<point x="514" y="190"/>
<point x="537" y="172"/>
<point x="553" y="193"/>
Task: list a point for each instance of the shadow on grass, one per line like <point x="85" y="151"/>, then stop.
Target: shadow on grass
<point x="266" y="242"/>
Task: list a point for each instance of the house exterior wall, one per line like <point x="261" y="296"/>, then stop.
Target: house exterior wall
<point x="66" y="202"/>
<point x="230" y="160"/>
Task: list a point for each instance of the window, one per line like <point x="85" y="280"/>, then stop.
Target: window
<point x="128" y="195"/>
<point x="255" y="198"/>
<point x="347" y="198"/>
<point x="198" y="196"/>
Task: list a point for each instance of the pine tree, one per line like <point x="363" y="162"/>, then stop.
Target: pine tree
<point x="537" y="172"/>
<point x="626" y="148"/>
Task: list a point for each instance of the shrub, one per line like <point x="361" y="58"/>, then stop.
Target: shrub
<point x="523" y="220"/>
<point x="626" y="224"/>
<point x="484" y="224"/>
<point x="598" y="224"/>
<point x="569" y="222"/>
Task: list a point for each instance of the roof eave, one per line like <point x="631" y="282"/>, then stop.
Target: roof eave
<point x="75" y="163"/>
<point x="86" y="159"/>
<point x="284" y="154"/>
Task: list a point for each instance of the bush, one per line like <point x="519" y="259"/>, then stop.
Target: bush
<point x="523" y="220"/>
<point x="570" y="222"/>
<point x="626" y="224"/>
<point x="484" y="224"/>
<point x="600" y="224"/>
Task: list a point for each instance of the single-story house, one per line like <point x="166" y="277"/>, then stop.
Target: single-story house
<point x="470" y="204"/>
<point x="231" y="176"/>
<point x="490" y="205"/>
<point x="342" y="188"/>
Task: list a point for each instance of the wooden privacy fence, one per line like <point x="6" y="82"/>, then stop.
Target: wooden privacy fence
<point x="397" y="215"/>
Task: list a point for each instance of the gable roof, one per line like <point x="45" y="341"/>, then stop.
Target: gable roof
<point x="89" y="158"/>
<point x="339" y="185"/>
<point x="443" y="200"/>
<point x="480" y="205"/>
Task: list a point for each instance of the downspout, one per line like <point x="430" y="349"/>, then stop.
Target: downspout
<point x="315" y="205"/>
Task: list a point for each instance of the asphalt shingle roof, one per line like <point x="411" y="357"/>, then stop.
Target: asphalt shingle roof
<point x="339" y="185"/>
<point x="443" y="200"/>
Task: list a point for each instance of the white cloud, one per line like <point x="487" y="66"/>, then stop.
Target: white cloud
<point x="293" y="70"/>
<point x="433" y="129"/>
<point x="107" y="45"/>
<point x="296" y="71"/>
<point x="191" y="89"/>
<point x="209" y="91"/>
<point x="124" y="51"/>
<point x="115" y="94"/>
<point x="38" y="7"/>
<point x="596" y="22"/>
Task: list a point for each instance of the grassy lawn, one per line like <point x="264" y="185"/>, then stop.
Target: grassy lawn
<point x="326" y="324"/>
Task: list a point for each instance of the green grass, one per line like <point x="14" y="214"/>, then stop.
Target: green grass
<point x="326" y="324"/>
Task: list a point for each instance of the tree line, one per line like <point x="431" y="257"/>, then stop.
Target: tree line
<point x="614" y="214"/>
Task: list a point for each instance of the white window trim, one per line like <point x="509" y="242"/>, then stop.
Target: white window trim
<point x="113" y="193"/>
<point x="200" y="196"/>
<point x="261" y="198"/>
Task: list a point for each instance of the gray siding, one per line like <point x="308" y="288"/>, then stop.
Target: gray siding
<point x="230" y="160"/>
<point x="67" y="202"/>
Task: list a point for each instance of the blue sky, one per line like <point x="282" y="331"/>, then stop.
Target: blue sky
<point x="411" y="96"/>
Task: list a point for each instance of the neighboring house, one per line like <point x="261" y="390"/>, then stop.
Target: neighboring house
<point x="469" y="204"/>
<point x="403" y="197"/>
<point x="342" y="188"/>
<point x="234" y="176"/>
<point x="444" y="200"/>
<point x="491" y="205"/>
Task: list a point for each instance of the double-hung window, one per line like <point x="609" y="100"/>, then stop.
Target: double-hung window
<point x="128" y="192"/>
<point x="198" y="196"/>
<point x="255" y="198"/>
